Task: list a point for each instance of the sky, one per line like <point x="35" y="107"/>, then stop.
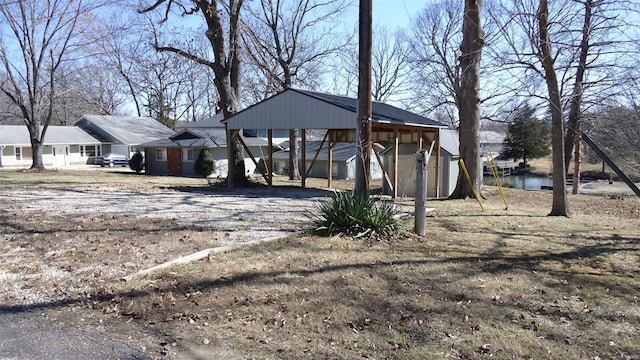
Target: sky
<point x="395" y="13"/>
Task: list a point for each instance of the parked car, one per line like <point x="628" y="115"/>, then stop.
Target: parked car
<point x="112" y="160"/>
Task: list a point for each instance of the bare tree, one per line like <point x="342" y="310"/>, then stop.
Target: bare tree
<point x="101" y="91"/>
<point x="159" y="84"/>
<point x="287" y="40"/>
<point x="615" y="126"/>
<point x="222" y="19"/>
<point x="199" y="98"/>
<point x="469" y="100"/>
<point x="123" y="52"/>
<point x="602" y="34"/>
<point x="435" y="38"/>
<point x="82" y="90"/>
<point x="38" y="37"/>
<point x="592" y="57"/>
<point x="390" y="67"/>
<point x="616" y="129"/>
<point x="560" y="206"/>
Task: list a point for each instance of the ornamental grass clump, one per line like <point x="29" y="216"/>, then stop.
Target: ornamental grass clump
<point x="355" y="213"/>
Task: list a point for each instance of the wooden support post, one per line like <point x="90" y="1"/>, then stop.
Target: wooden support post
<point x="270" y="157"/>
<point x="437" y="182"/>
<point x="396" y="144"/>
<point x="303" y="156"/>
<point x="421" y="192"/>
<point x="330" y="162"/>
<point x="230" y="156"/>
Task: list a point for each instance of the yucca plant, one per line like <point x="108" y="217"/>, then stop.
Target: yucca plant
<point x="354" y="213"/>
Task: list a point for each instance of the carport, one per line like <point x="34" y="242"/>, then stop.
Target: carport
<point x="305" y="110"/>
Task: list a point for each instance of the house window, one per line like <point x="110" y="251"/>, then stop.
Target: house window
<point x="90" y="150"/>
<point x="161" y="154"/>
<point x="188" y="155"/>
<point x="18" y="153"/>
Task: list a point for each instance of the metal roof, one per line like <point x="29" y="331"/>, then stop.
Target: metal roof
<point x="56" y="135"/>
<point x="301" y="109"/>
<point x="199" y="138"/>
<point x="450" y="142"/>
<point x="213" y="122"/>
<point x="130" y="130"/>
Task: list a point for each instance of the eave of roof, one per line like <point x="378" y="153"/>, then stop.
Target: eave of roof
<point x="18" y="135"/>
<point x="200" y="138"/>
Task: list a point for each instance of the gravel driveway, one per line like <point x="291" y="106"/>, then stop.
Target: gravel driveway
<point x="258" y="212"/>
<point x="91" y="236"/>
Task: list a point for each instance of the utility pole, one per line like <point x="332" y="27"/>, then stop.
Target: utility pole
<point x="363" y="129"/>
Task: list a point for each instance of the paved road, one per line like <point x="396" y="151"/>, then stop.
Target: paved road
<point x="27" y="335"/>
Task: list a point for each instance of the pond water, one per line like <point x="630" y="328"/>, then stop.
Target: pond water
<point x="526" y="182"/>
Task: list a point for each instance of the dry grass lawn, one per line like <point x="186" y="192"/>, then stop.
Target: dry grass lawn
<point x="503" y="283"/>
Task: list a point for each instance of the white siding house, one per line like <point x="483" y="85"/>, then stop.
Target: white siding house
<point x="123" y="134"/>
<point x="63" y="145"/>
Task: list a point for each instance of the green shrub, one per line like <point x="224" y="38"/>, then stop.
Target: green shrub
<point x="356" y="214"/>
<point x="204" y="163"/>
<point x="136" y="163"/>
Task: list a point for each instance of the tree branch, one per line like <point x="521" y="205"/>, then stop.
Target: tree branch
<point x="185" y="54"/>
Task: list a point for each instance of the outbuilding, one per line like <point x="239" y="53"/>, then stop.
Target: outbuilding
<point x="343" y="158"/>
<point x="401" y="132"/>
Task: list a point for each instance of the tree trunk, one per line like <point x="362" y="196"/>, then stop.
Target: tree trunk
<point x="235" y="152"/>
<point x="36" y="144"/>
<point x="560" y="205"/>
<point x="294" y="169"/>
<point x="363" y="129"/>
<point x="469" y="100"/>
<point x="227" y="81"/>
<point x="573" y="121"/>
<point x="37" y="163"/>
